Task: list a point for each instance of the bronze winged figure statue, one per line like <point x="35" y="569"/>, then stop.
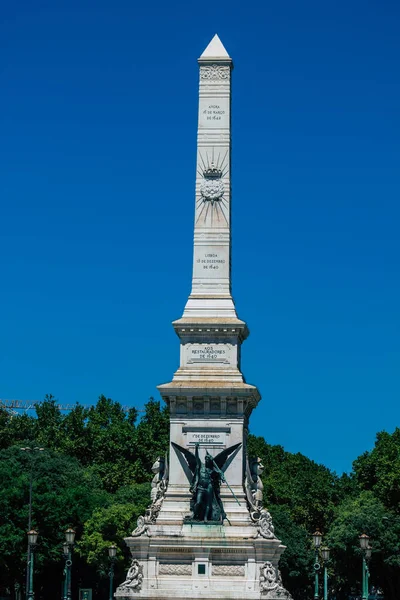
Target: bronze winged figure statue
<point x="206" y="504"/>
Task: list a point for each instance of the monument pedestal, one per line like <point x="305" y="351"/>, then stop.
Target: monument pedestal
<point x="206" y="533"/>
<point x="203" y="561"/>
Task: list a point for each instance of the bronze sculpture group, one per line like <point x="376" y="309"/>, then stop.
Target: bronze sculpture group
<point x="206" y="504"/>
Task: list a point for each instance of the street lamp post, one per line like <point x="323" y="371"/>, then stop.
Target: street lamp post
<point x="317" y="538"/>
<point x="364" y="544"/>
<point x="31" y="452"/>
<point x="325" y="557"/>
<point x="112" y="552"/>
<point x="32" y="539"/>
<point x="67" y="550"/>
<point x="368" y="554"/>
<point x="66" y="567"/>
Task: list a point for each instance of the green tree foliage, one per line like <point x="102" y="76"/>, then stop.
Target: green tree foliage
<point x="93" y="475"/>
<point x="297" y="561"/>
<point x="365" y="513"/>
<point x="302" y="496"/>
<point x="15" y="429"/>
<point x="379" y="470"/>
<point x="64" y="494"/>
<point x="152" y="439"/>
<point x="111" y="524"/>
<point x="308" y="490"/>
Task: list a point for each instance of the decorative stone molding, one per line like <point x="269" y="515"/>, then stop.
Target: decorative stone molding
<point x="134" y="577"/>
<point x="228" y="570"/>
<point x="214" y="72"/>
<point x="265" y="526"/>
<point x="173" y="569"/>
<point x="271" y="583"/>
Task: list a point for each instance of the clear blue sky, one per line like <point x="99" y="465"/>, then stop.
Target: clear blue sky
<point x="98" y="116"/>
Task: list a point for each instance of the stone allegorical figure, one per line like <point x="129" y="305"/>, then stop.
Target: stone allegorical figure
<point x="158" y="483"/>
<point x="206" y="504"/>
<point x="134" y="576"/>
<point x="254" y="486"/>
<point x="254" y="491"/>
<point x="257" y="469"/>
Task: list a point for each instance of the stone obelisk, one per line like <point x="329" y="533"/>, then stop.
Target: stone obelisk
<point x="211" y="283"/>
<point x="206" y="533"/>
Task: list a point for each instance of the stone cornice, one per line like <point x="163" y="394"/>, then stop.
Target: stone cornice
<point x="217" y="326"/>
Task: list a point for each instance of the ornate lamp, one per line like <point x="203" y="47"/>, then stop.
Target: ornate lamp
<point x="112" y="551"/>
<point x="70" y="536"/>
<point x="325" y="553"/>
<point x="317" y="538"/>
<point x="32" y="537"/>
<point x="364" y="539"/>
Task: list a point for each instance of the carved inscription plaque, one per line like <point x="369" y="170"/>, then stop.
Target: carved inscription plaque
<point x="209" y="353"/>
<point x="214" y="113"/>
<point x="206" y="438"/>
<point x="211" y="262"/>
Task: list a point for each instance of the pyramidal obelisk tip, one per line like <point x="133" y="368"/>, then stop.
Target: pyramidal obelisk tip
<point x="215" y="49"/>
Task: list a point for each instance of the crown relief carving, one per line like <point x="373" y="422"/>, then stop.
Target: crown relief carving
<point x="212" y="187"/>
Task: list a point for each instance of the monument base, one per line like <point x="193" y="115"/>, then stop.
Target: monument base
<point x="203" y="561"/>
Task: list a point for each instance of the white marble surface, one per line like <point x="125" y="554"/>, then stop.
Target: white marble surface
<point x="215" y="49"/>
<point x="211" y="257"/>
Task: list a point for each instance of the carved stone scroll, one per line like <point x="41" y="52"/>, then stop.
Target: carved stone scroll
<point x="271" y="583"/>
<point x="265" y="526"/>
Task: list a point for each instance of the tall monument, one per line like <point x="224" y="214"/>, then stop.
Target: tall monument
<point x="206" y="533"/>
